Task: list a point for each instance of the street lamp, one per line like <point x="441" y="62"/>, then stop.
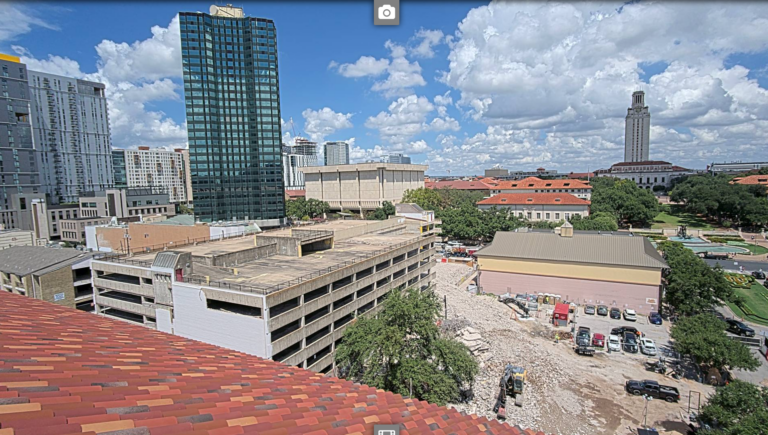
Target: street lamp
<point x="645" y="411"/>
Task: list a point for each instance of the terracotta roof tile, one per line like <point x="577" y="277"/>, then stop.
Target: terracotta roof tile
<point x="84" y="386"/>
<point x="458" y="184"/>
<point x="538" y="183"/>
<point x="751" y="180"/>
<point x="534" y="199"/>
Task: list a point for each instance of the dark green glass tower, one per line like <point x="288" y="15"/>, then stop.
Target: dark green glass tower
<point x="232" y="97"/>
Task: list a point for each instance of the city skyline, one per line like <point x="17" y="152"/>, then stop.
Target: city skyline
<point x="417" y="89"/>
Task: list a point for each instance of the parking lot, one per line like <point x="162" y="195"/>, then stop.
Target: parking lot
<point x="603" y="325"/>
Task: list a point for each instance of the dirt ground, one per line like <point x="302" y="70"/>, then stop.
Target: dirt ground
<point x="565" y="393"/>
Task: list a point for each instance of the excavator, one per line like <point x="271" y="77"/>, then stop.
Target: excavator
<point x="512" y="384"/>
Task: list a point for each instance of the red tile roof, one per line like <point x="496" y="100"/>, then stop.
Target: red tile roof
<point x="63" y="371"/>
<point x="534" y="199"/>
<point x="538" y="183"/>
<point x="458" y="184"/>
<point x="296" y="193"/>
<point x="751" y="179"/>
<point x="577" y="175"/>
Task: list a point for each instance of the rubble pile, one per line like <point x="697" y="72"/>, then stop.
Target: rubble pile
<point x="488" y="328"/>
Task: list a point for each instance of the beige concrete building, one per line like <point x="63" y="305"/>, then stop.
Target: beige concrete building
<point x="287" y="295"/>
<point x="602" y="269"/>
<point x="56" y="275"/>
<point x="10" y="238"/>
<point x="138" y="237"/>
<point x="73" y="230"/>
<point x="363" y="186"/>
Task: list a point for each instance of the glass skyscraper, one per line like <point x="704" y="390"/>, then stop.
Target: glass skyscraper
<point x="232" y="97"/>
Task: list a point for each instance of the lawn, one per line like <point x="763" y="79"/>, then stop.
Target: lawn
<point x="675" y="218"/>
<point x="756" y="299"/>
<point x="754" y="249"/>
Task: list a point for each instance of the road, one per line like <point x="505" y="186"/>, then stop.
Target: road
<point x="749" y="266"/>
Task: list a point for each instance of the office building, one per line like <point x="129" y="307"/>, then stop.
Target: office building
<point x="262" y="294"/>
<point x="158" y="169"/>
<point x="496" y="172"/>
<point x="232" y="97"/>
<point x="72" y="138"/>
<point x="647" y="174"/>
<point x="396" y="158"/>
<point x="299" y="155"/>
<point x="363" y="186"/>
<point x="128" y="203"/>
<point x="549" y="207"/>
<point x="637" y="130"/>
<point x="19" y="173"/>
<point x="585" y="268"/>
<point x="336" y="153"/>
<point x="733" y="168"/>
<point x="187" y="175"/>
<point x="73" y="230"/>
<point x="58" y="275"/>
<point x="15" y="237"/>
<point x="118" y="168"/>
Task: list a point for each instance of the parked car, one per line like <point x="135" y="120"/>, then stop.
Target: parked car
<point x="583" y="336"/>
<point x="758" y="274"/>
<point x="630" y="315"/>
<point x="630" y="342"/>
<point x="739" y="328"/>
<point x="655" y="318"/>
<point x="598" y="340"/>
<point x="653" y="389"/>
<point x="585" y="350"/>
<point x="614" y="343"/>
<point x="647" y="346"/>
<point x="589" y="309"/>
<point x="620" y="331"/>
<point x="602" y="310"/>
<point x="615" y="313"/>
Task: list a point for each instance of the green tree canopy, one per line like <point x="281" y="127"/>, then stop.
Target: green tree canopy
<point x="402" y="347"/>
<point x="428" y="199"/>
<point x="624" y="200"/>
<point x="691" y="285"/>
<point x="703" y="337"/>
<point x="600" y="221"/>
<point x="442" y="199"/>
<point x="739" y="408"/>
<point x="382" y="213"/>
<point x="469" y="222"/>
<point x="717" y="198"/>
<point x="300" y="207"/>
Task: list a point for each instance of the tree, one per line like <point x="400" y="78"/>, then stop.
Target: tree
<point x="703" y="337"/>
<point x="382" y="213"/>
<point x="691" y="285"/>
<point x="739" y="408"/>
<point x="388" y="208"/>
<point x="470" y="223"/>
<point x="184" y="209"/>
<point x="300" y="207"/>
<point x="600" y="221"/>
<point x="720" y="200"/>
<point x="428" y="199"/>
<point x="624" y="200"/>
<point x="402" y="347"/>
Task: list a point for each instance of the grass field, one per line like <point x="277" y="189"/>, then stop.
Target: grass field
<point x="676" y="218"/>
<point x="756" y="300"/>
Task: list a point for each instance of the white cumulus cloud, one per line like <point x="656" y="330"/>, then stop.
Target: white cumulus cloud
<point x="324" y="122"/>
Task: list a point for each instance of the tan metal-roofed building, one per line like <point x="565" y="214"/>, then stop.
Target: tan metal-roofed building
<point x="586" y="268"/>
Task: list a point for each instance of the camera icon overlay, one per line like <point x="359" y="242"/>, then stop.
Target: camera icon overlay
<point x="386" y="12"/>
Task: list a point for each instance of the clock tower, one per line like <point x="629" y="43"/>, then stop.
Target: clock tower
<point x="637" y="130"/>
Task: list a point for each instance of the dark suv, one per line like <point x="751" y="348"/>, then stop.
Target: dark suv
<point x="624" y="329"/>
<point x="583" y="336"/>
<point x="615" y="313"/>
<point x="758" y="274"/>
<point x="630" y="342"/>
<point x="739" y="328"/>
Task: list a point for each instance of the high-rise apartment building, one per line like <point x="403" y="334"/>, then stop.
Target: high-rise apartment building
<point x="158" y="169"/>
<point x="396" y="158"/>
<point x="19" y="173"/>
<point x="71" y="131"/>
<point x="232" y="98"/>
<point x="301" y="154"/>
<point x="336" y="153"/>
<point x="637" y="130"/>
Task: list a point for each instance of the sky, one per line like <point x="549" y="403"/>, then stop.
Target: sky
<point x="460" y="85"/>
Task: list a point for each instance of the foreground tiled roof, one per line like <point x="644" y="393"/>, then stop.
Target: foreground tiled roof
<point x="458" y="184"/>
<point x="299" y="193"/>
<point x="577" y="175"/>
<point x="751" y="179"/>
<point x="533" y="199"/>
<point x="63" y="371"/>
<point x="538" y="183"/>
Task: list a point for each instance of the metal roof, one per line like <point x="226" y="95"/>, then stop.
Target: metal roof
<point x="408" y="208"/>
<point x="23" y="260"/>
<point x="165" y="260"/>
<point x="581" y="248"/>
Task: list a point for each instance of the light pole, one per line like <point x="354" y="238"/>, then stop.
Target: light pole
<point x="645" y="411"/>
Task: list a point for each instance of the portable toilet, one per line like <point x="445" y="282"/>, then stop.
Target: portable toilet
<point x="560" y="315"/>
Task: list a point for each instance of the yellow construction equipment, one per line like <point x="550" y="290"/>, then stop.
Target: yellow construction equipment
<point x="512" y="384"/>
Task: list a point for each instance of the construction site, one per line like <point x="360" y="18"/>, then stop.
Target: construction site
<point x="564" y="393"/>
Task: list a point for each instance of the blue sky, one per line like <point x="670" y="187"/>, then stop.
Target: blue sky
<point x="460" y="85"/>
